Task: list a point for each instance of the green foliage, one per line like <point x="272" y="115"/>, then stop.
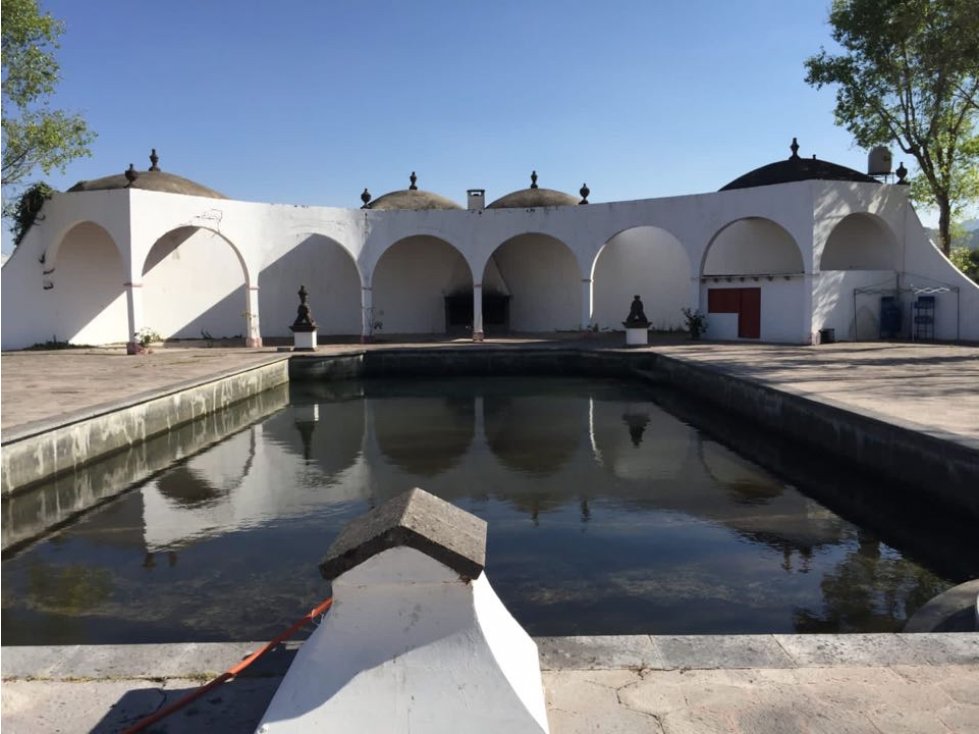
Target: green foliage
<point x="147" y="336"/>
<point x="695" y="321"/>
<point x="27" y="209"/>
<point x="967" y="261"/>
<point x="909" y="74"/>
<point x="34" y="135"/>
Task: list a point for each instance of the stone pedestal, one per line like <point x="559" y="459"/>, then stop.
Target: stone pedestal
<point x="416" y="639"/>
<point x="303" y="340"/>
<point x="636" y="336"/>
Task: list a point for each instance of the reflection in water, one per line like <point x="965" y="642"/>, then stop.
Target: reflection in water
<point x="595" y="527"/>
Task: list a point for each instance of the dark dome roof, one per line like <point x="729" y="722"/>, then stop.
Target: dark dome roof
<point x="152" y="180"/>
<point x="410" y="198"/>
<point x="533" y="198"/>
<point x="797" y="169"/>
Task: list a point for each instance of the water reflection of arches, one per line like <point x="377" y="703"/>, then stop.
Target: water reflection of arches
<point x="330" y="275"/>
<point x="534" y="434"/>
<point x="411" y="281"/>
<point x="86" y="277"/>
<point x="646" y="260"/>
<point x="195" y="283"/>
<point x="861" y="242"/>
<point x="425" y="436"/>
<point x="541" y="276"/>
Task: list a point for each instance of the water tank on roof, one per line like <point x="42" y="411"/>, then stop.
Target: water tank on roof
<point x="879" y="161"/>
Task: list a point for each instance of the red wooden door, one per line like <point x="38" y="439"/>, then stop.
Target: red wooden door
<point x="749" y="315"/>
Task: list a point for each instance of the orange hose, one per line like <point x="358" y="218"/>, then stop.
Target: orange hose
<point x="231" y="672"/>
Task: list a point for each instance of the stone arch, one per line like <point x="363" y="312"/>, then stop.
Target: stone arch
<point x="541" y="278"/>
<point x="645" y="260"/>
<point x="195" y="285"/>
<point x="752" y="246"/>
<point x="331" y="276"/>
<point x="85" y="276"/>
<point x="411" y="281"/>
<point x="860" y="241"/>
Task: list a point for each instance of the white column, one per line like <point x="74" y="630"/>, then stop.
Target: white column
<point x="253" y="329"/>
<point x="477" y="312"/>
<point x="134" y="312"/>
<point x="367" y="313"/>
<point x="586" y="311"/>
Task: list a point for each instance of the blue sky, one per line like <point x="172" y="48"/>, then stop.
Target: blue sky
<point x="309" y="102"/>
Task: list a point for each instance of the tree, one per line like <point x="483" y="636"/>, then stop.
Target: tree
<point x="967" y="261"/>
<point x="909" y="74"/>
<point x="34" y="135"/>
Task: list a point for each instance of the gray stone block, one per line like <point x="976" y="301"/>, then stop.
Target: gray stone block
<point x="418" y="520"/>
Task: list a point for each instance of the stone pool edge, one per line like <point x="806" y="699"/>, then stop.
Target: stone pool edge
<point x="201" y="660"/>
<point x="42" y="450"/>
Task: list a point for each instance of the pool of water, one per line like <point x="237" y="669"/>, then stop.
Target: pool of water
<point x="607" y="515"/>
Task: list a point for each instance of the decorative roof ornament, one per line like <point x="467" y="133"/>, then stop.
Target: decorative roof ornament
<point x="366" y="198"/>
<point x="154" y="160"/>
<point x="533" y="179"/>
<point x="414" y="182"/>
<point x="794" y="148"/>
<point x="902" y="173"/>
<point x="131" y="175"/>
<point x="584" y="191"/>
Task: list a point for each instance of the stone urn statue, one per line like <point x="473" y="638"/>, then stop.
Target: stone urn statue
<point x="303" y="328"/>
<point x="636" y="325"/>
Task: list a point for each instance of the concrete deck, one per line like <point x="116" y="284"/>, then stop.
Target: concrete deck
<point x="667" y="685"/>
<point x="888" y="683"/>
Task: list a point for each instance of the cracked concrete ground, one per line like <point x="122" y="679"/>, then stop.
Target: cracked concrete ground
<point x="750" y="684"/>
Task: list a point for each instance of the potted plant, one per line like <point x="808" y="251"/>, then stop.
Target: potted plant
<point x="696" y="322"/>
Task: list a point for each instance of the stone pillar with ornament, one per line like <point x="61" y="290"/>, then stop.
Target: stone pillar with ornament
<point x="303" y="328"/>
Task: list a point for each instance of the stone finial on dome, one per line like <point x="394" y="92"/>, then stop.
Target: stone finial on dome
<point x="365" y="197"/>
<point x="902" y="174"/>
<point x="154" y="160"/>
<point x="794" y="148"/>
<point x="131" y="174"/>
<point x="584" y="191"/>
<point x="533" y="179"/>
<point x="414" y="182"/>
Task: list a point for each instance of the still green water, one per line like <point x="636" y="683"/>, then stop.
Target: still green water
<point x="607" y="515"/>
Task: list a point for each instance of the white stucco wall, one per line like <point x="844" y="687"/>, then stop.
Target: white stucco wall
<point x="544" y="282"/>
<point x="833" y="302"/>
<point x="753" y="246"/>
<point x="544" y="258"/>
<point x="783" y="316"/>
<point x="411" y="282"/>
<point x="861" y="242"/>
<point x="647" y="261"/>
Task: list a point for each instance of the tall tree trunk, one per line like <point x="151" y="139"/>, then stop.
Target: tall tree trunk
<point x="944" y="224"/>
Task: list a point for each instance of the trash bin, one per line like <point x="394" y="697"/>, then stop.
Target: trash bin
<point x="827" y="336"/>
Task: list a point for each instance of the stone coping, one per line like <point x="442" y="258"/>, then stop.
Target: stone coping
<point x="21" y="431"/>
<point x="625" y="652"/>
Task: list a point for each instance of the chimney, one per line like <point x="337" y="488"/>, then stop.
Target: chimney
<point x="477" y="198"/>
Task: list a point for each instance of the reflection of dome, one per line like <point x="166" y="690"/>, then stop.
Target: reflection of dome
<point x="797" y="169"/>
<point x="151" y="180"/>
<point x="533" y="198"/>
<point x="411" y="198"/>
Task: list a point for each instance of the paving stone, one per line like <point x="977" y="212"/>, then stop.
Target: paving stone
<point x="598" y="652"/>
<point x="579" y="704"/>
<point x="722" y="651"/>
<point x="960" y="718"/>
<point x="958" y="648"/>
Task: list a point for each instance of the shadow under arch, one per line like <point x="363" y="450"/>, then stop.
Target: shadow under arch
<point x="331" y="277"/>
<point x="861" y="241"/>
<point x="411" y="281"/>
<point x="87" y="277"/>
<point x="645" y="260"/>
<point x="541" y="277"/>
<point x="195" y="284"/>
<point x="752" y="246"/>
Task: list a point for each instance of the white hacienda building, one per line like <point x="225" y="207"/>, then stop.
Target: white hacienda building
<point x="778" y="255"/>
